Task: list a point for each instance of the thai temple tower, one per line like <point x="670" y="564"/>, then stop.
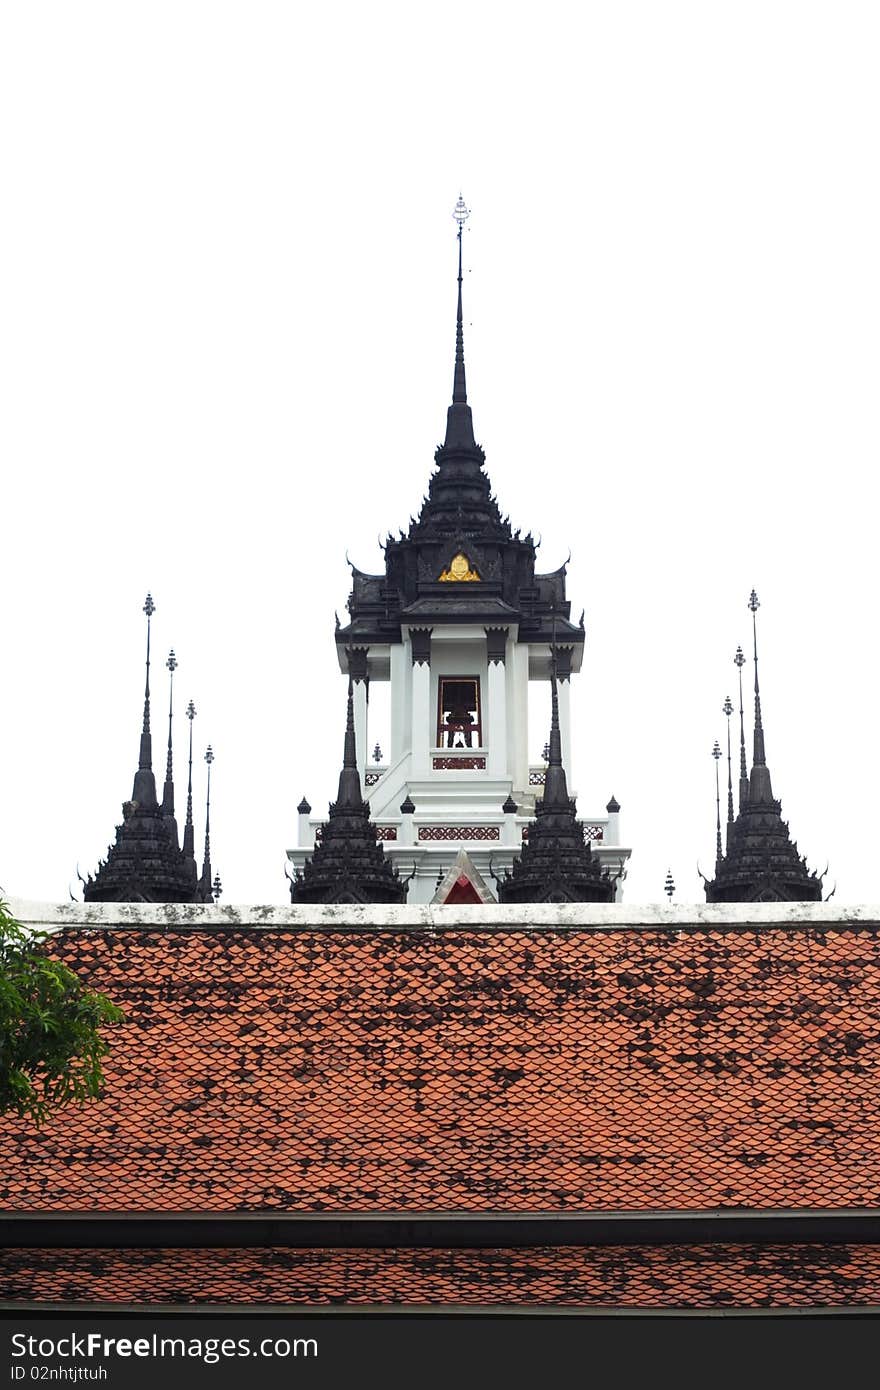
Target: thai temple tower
<point x="459" y="624"/>
<point x="146" y="864"/>
<point x="761" y="864"/>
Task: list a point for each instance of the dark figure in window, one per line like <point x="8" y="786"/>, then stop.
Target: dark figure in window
<point x="459" y="725"/>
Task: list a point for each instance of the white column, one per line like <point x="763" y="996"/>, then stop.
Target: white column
<point x="497" y="762"/>
<point x="508" y="829"/>
<point x="304" y="830"/>
<point x="406" y="836"/>
<point x="401" y="677"/>
<point x="360" y="725"/>
<point x="564" y="689"/>
<point x="422" y="725"/>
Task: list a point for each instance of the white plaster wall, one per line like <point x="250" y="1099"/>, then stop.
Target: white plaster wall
<point x="543" y="916"/>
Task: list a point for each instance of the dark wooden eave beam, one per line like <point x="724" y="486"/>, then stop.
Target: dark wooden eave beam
<point x="435" y="1230"/>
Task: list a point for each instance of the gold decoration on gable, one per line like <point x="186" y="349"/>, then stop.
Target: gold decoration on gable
<point x="459" y="571"/>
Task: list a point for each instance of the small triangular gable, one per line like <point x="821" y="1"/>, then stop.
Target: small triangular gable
<point x="463" y="883"/>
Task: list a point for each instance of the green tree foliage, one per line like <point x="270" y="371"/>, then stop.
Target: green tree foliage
<point x="50" y="1046"/>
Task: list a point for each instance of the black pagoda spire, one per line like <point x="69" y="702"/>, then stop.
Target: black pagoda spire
<point x="168" y="790"/>
<point x="460" y="557"/>
<point x="144" y="789"/>
<point x="189" y="846"/>
<point x="145" y="864"/>
<point x="459" y="422"/>
<point x="727" y="711"/>
<point x="556" y="864"/>
<point x="349" y="864"/>
<point x="739" y="662"/>
<point x="716" y="754"/>
<point x="206" y="892"/>
<point x="762" y="864"/>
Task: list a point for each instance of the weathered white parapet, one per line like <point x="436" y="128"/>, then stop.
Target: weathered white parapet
<point x="430" y="918"/>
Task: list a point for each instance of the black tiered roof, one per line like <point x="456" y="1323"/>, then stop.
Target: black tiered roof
<point x="460" y="515"/>
<point x="145" y="863"/>
<point x="761" y="864"/>
<point x="349" y="865"/>
<point x="556" y="864"/>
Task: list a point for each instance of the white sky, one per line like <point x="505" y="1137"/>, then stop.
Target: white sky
<point x="228" y="263"/>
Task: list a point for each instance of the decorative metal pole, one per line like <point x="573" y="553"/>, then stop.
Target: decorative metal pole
<point x="739" y="661"/>
<point x="206" y="867"/>
<point x="459" y="387"/>
<point x="149" y="609"/>
<point x="727" y="709"/>
<point x="716" y="754"/>
<point x="168" y="795"/>
<point x="760" y="756"/>
<point x="189" y="847"/>
<point x="669" y="885"/>
<point x="217" y="887"/>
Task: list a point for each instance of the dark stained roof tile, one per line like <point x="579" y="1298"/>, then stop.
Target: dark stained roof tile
<point x="470" y="1069"/>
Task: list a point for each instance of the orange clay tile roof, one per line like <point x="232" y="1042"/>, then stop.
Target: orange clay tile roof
<point x="671" y="1276"/>
<point x="470" y="1069"/>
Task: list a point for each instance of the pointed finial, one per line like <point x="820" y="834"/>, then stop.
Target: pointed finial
<point x="144" y="790"/>
<point x="459" y="386"/>
<point x="377" y="754"/>
<point x="739" y="662"/>
<point x="205" y="883"/>
<point x="216" y="887"/>
<point x="349" y="794"/>
<point x="716" y="754"/>
<point x="555" y="784"/>
<point x="189" y="849"/>
<point x="459" y="424"/>
<point x="727" y="710"/>
<point x="168" y="792"/>
<point x="760" y="789"/>
<point x="669" y="885"/>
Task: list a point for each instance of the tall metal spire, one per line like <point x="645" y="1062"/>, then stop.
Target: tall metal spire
<point x="144" y="790"/>
<point x="760" y="789"/>
<point x="189" y="848"/>
<point x="727" y="709"/>
<point x="739" y="661"/>
<point x="555" y="783"/>
<point x="205" y="882"/>
<point x="459" y="384"/>
<point x="459" y="422"/>
<point x="168" y="791"/>
<point x="349" y="794"/>
<point x="716" y="754"/>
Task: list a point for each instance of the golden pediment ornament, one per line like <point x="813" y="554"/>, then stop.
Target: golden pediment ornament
<point x="459" y="571"/>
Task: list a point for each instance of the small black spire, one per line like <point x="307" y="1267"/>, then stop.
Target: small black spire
<point x="189" y="847"/>
<point x="760" y="789"/>
<point x="727" y="709"/>
<point x="349" y="794"/>
<point x="555" y="783"/>
<point x="205" y="887"/>
<point x="459" y="422"/>
<point x="716" y="754"/>
<point x="556" y="863"/>
<point x="303" y="808"/>
<point x="762" y="863"/>
<point x="349" y="864"/>
<point x="144" y="790"/>
<point x="739" y="662"/>
<point x="146" y="863"/>
<point x="168" y="791"/>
